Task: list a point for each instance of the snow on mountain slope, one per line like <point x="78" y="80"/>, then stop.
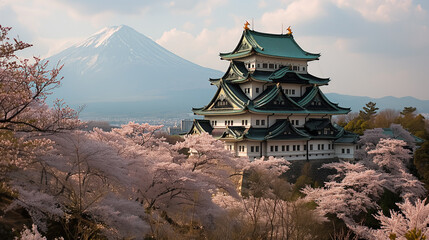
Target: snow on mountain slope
<point x="119" y="64"/>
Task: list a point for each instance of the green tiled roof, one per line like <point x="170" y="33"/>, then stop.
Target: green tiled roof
<point x="389" y="132"/>
<point x="263" y="103"/>
<point x="314" y="94"/>
<point x="276" y="45"/>
<point x="201" y="126"/>
<point x="282" y="75"/>
<point x="281" y="130"/>
<point x="348" y="138"/>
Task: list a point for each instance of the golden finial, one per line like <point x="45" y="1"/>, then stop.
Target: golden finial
<point x="246" y="25"/>
<point x="289" y="31"/>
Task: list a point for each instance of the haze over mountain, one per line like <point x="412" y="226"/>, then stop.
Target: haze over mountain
<point x="119" y="71"/>
<point x="357" y="102"/>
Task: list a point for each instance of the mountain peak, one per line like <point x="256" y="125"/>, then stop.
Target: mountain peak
<point x="102" y="37"/>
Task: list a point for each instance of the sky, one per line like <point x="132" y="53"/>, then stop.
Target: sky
<point x="369" y="48"/>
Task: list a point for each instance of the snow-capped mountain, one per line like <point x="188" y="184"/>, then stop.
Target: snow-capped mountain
<point x="119" y="67"/>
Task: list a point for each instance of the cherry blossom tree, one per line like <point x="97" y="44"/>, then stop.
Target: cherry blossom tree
<point x="24" y="86"/>
<point x="411" y="222"/>
<point x="356" y="187"/>
<point x="266" y="210"/>
<point x="174" y="183"/>
<point x="80" y="184"/>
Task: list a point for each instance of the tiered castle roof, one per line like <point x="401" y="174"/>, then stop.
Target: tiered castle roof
<point x="231" y="100"/>
<point x="265" y="44"/>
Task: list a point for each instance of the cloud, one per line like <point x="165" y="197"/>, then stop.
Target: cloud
<point x="202" y="48"/>
<point x="296" y="12"/>
<point x="382" y="10"/>
<point x="122" y="7"/>
<point x="195" y="7"/>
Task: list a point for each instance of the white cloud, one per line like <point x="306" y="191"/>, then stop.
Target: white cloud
<point x="296" y="12"/>
<point x="381" y="10"/>
<point x="202" y="48"/>
<point x="198" y="8"/>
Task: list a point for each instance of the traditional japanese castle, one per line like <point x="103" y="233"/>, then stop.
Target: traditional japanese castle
<point x="268" y="104"/>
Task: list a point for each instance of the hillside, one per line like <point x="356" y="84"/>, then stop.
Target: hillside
<point x="357" y="102"/>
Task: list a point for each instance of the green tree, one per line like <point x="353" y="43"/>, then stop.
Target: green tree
<point x="413" y="122"/>
<point x="421" y="161"/>
<point x="369" y="111"/>
<point x="365" y="119"/>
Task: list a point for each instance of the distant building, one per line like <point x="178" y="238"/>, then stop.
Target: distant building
<point x="186" y="125"/>
<point x="268" y="104"/>
<point x="174" y="130"/>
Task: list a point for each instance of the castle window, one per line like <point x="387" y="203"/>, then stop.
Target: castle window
<point x="293" y="122"/>
<point x="287" y="148"/>
<point x="297" y="122"/>
<point x="262" y="122"/>
<point x="311" y="147"/>
<point x="348" y="150"/>
<point x="252" y="148"/>
<point x="295" y="68"/>
<point x="257" y="149"/>
<point x="283" y="148"/>
<point x="323" y="146"/>
<point x="271" y="66"/>
<point x="257" y="122"/>
<point x="264" y="65"/>
<point x="276" y="148"/>
<point x="298" y="147"/>
<point x="271" y="148"/>
<point x="257" y="90"/>
<point x="258" y="65"/>
<point x="305" y="147"/>
<point x="318" y="146"/>
<point x="303" y="68"/>
<point x="294" y="148"/>
<point x="293" y="91"/>
<point x="342" y="150"/>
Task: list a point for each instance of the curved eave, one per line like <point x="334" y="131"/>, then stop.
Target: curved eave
<point x="261" y="101"/>
<point x="277" y="132"/>
<point x="214" y="81"/>
<point x="261" y="53"/>
<point x="267" y="98"/>
<point x="241" y="75"/>
<point x="281" y="73"/>
<point x="260" y="111"/>
<point x="235" y="55"/>
<point x="313" y="93"/>
<point x="319" y="81"/>
<point x="218" y="112"/>
<point x="237" y="96"/>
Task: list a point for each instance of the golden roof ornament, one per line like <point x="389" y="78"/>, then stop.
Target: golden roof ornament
<point x="289" y="31"/>
<point x="246" y="25"/>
